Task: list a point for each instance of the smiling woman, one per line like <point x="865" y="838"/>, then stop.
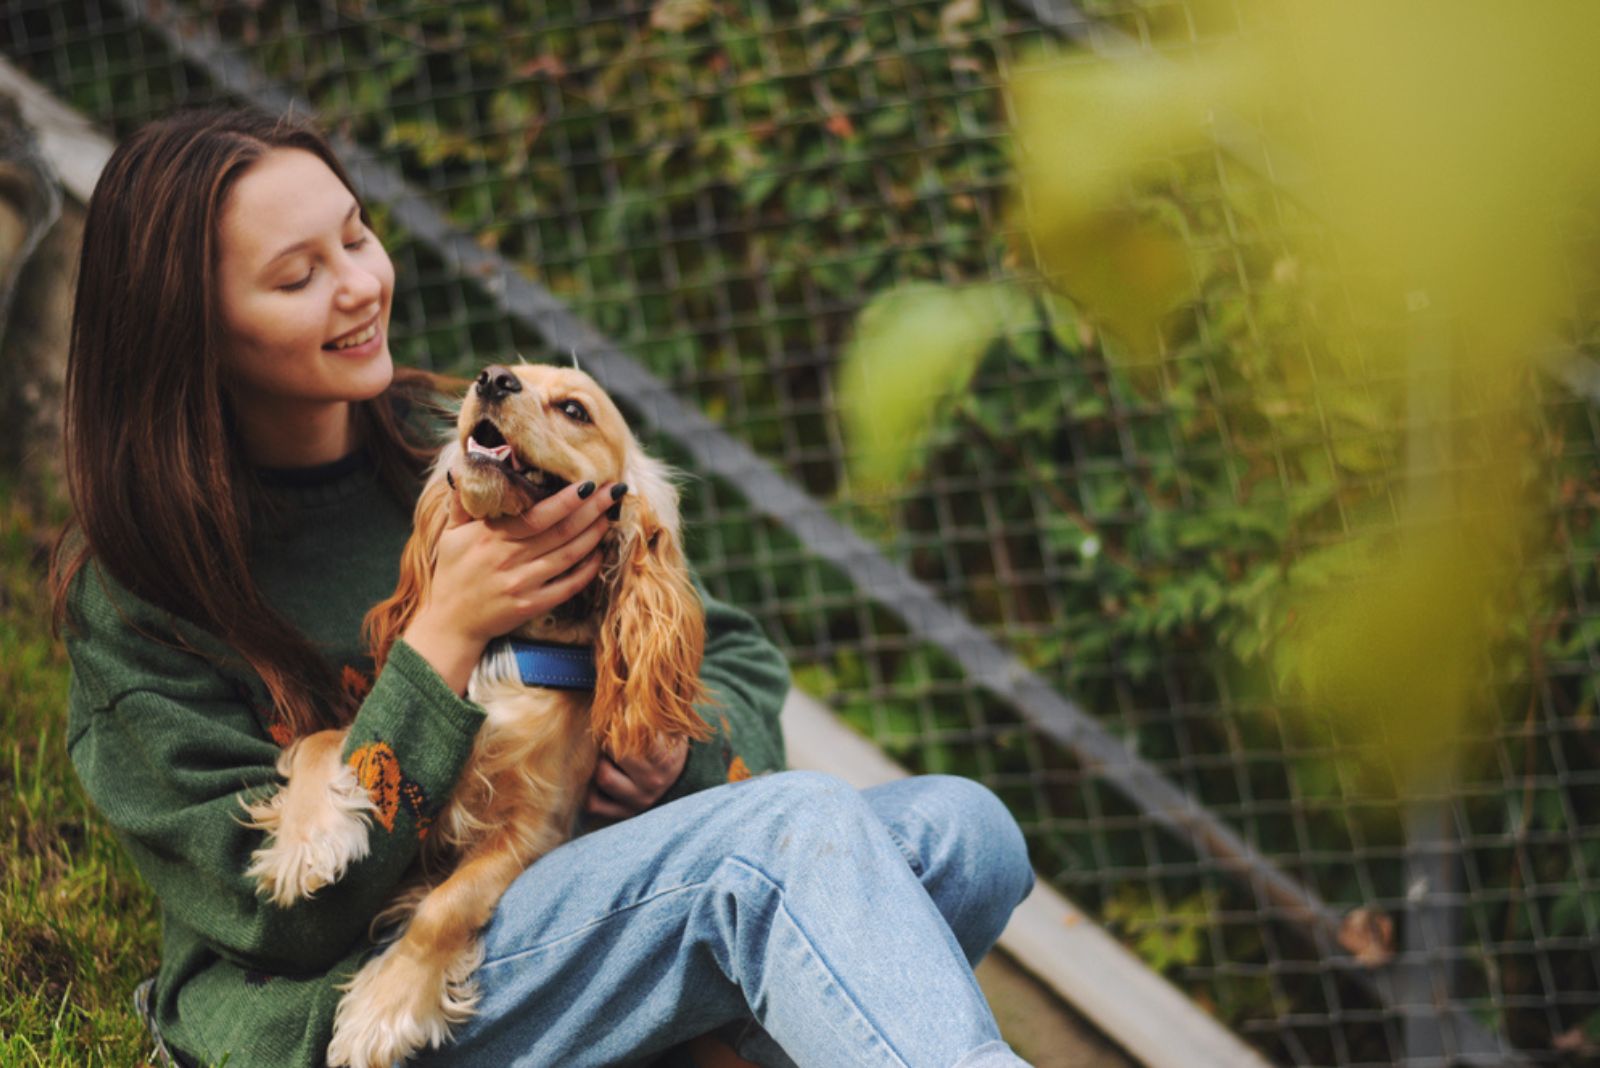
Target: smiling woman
<point x="191" y="369"/>
<point x="306" y="290"/>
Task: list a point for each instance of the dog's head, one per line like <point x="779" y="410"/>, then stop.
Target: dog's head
<point x="527" y="432"/>
<point x="523" y="434"/>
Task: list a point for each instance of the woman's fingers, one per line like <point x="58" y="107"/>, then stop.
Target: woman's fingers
<point x="620" y="789"/>
<point x="518" y="567"/>
<point x="615" y="785"/>
<point x="558" y="559"/>
<point x="561" y="545"/>
<point x="612" y="794"/>
<point x="598" y="804"/>
<point x="558" y="518"/>
<point x="564" y="587"/>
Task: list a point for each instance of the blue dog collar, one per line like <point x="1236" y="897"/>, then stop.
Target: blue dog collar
<point x="551" y="665"/>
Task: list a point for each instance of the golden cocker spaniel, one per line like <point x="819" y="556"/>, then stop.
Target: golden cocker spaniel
<point x="523" y="433"/>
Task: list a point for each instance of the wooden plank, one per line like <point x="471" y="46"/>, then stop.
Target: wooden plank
<point x="75" y="148"/>
<point x="1043" y="1029"/>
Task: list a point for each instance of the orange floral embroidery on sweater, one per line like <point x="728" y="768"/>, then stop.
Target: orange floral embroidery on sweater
<point x="738" y="770"/>
<point x="356" y="686"/>
<point x="378" y="771"/>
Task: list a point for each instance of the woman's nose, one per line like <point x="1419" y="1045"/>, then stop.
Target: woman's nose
<point x="359" y="287"/>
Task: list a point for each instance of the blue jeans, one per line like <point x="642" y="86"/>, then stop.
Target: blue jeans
<point x="791" y="914"/>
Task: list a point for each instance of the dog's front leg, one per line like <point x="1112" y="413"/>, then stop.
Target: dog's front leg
<point x="421" y="987"/>
<point x="316" y="824"/>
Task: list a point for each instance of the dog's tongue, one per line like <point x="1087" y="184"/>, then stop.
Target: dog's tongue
<point x="499" y="453"/>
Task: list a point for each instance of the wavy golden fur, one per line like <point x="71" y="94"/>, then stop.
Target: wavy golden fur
<point x="521" y="792"/>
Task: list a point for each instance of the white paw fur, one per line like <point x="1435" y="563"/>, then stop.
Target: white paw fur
<point x="397" y="1004"/>
<point x="313" y="836"/>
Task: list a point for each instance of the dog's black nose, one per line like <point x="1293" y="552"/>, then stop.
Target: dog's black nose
<point x="495" y="382"/>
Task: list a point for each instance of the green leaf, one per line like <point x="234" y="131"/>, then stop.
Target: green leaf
<point x="912" y="347"/>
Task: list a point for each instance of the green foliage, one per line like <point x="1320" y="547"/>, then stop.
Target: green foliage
<point x="1168" y="937"/>
<point x="79" y="928"/>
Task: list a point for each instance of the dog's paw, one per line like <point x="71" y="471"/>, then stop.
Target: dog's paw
<point x="397" y="1004"/>
<point x="313" y="836"/>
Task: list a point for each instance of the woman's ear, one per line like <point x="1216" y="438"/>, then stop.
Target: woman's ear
<point x="389" y="618"/>
<point x="652" y="637"/>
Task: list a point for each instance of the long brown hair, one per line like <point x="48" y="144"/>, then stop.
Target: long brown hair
<point x="162" y="496"/>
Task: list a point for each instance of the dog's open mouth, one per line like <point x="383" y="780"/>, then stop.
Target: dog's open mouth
<point x="487" y="445"/>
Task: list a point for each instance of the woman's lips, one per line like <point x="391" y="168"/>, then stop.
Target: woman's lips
<point x="358" y="343"/>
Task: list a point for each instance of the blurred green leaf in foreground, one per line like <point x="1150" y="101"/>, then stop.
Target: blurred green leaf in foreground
<point x="913" y="346"/>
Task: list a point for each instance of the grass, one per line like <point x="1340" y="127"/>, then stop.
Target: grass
<point x="78" y="929"/>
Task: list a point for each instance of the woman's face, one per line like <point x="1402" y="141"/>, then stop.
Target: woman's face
<point x="305" y="293"/>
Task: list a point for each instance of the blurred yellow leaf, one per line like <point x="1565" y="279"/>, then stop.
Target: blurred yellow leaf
<point x="1396" y="654"/>
<point x="1440" y="133"/>
<point x="1087" y="131"/>
<point x="1400" y="650"/>
<point x="1126" y="270"/>
<point x="1440" y="143"/>
<point x="1444" y="133"/>
<point x="913" y="346"/>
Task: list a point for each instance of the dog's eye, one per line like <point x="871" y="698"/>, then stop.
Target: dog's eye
<point x="574" y="411"/>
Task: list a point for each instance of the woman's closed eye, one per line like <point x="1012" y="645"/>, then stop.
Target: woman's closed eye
<point x="354" y="246"/>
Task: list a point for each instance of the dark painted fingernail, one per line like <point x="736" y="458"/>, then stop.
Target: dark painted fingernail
<point x="614" y="513"/>
<point x="618" y="490"/>
<point x="584" y="491"/>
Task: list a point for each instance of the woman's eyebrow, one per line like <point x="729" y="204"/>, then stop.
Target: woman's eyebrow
<point x="298" y="245"/>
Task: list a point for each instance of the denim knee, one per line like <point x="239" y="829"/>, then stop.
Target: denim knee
<point x="776" y="810"/>
<point x="950" y="827"/>
<point x="972" y="832"/>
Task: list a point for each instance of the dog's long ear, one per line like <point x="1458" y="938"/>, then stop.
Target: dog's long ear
<point x="389" y="618"/>
<point x="647" y="657"/>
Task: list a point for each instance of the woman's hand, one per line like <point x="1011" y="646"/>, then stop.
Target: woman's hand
<point x="624" y="788"/>
<point x="493" y="575"/>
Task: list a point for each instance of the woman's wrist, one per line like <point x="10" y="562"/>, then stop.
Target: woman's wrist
<point x="449" y="652"/>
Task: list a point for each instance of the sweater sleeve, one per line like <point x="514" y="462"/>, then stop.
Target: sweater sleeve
<point x="748" y="679"/>
<point x="166" y="747"/>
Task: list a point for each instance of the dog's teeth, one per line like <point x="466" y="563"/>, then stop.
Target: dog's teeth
<point x="498" y="452"/>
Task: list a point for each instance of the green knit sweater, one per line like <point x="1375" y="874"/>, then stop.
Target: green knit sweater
<point x="165" y="742"/>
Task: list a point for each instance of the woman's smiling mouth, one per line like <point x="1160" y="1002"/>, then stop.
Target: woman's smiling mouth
<point x="350" y="341"/>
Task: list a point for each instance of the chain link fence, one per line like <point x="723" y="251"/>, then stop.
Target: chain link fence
<point x="1073" y="597"/>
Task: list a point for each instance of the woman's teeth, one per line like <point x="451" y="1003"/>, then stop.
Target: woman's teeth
<point x="353" y="340"/>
